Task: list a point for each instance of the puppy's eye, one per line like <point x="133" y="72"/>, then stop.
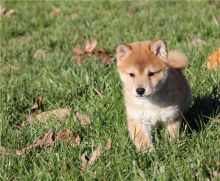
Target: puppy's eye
<point x="150" y="74"/>
<point x="131" y="74"/>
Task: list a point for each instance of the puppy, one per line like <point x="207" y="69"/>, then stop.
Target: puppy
<point x="155" y="90"/>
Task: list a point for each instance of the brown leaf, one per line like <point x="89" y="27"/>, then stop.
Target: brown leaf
<point x="47" y="141"/>
<point x="95" y="155"/>
<point x="40" y="53"/>
<point x="109" y="144"/>
<point x="5" y="150"/>
<point x="82" y="118"/>
<point x="9" y="12"/>
<point x="216" y="174"/>
<point x="43" y="117"/>
<point x="2" y="10"/>
<point x="104" y="56"/>
<point x="197" y="41"/>
<point x="89" y="46"/>
<point x="36" y="108"/>
<point x="10" y="69"/>
<point x="55" y="12"/>
<point x="86" y="161"/>
<point x="78" y="52"/>
<point x="214" y="59"/>
<point x="66" y="137"/>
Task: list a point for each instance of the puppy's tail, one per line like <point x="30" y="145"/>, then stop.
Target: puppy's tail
<point x="177" y="60"/>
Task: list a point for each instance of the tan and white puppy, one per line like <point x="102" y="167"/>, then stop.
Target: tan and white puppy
<point x="155" y="90"/>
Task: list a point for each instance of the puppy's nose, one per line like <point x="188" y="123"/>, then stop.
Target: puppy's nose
<point x="140" y="91"/>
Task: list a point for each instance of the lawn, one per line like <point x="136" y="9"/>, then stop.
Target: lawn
<point x="94" y="89"/>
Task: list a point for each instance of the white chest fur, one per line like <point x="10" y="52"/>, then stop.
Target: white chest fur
<point x="150" y="114"/>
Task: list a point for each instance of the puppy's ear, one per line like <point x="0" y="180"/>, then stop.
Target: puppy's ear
<point x="122" y="51"/>
<point x="177" y="60"/>
<point x="159" y="49"/>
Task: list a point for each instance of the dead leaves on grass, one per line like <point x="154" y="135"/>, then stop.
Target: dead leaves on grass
<point x="49" y="139"/>
<point x="43" y="117"/>
<point x="40" y="53"/>
<point x="214" y="60"/>
<point x="197" y="41"/>
<point x="38" y="116"/>
<point x="4" y="11"/>
<point x="89" y="49"/>
<point x="82" y="118"/>
<point x="86" y="161"/>
<point x="8" y="69"/>
<point x="68" y="138"/>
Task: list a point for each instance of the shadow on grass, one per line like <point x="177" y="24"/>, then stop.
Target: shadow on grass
<point x="203" y="109"/>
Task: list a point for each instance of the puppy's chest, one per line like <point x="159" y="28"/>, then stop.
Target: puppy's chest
<point x="151" y="114"/>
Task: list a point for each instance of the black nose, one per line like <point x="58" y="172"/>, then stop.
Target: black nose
<point x="140" y="91"/>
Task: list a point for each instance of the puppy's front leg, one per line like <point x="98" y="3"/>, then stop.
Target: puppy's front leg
<point x="173" y="128"/>
<point x="140" y="135"/>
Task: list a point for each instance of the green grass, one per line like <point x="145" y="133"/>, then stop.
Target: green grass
<point x="64" y="84"/>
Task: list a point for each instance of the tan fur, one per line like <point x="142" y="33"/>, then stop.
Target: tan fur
<point x="167" y="94"/>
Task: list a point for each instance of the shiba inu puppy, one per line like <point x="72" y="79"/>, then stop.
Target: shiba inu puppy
<point x="155" y="90"/>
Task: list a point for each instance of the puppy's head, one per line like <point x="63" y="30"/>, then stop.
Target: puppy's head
<point x="143" y="66"/>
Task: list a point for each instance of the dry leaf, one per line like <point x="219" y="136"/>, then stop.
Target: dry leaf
<point x="5" y="150"/>
<point x="86" y="161"/>
<point x="2" y="9"/>
<point x="47" y="141"/>
<point x="216" y="174"/>
<point x="55" y="12"/>
<point x="82" y="118"/>
<point x="78" y="52"/>
<point x="89" y="46"/>
<point x="36" y="108"/>
<point x="214" y="59"/>
<point x="43" y="117"/>
<point x="109" y="144"/>
<point x="95" y="155"/>
<point x="197" y="41"/>
<point x="40" y="53"/>
<point x="104" y="56"/>
<point x="66" y="137"/>
<point x="9" y="12"/>
<point x="10" y="69"/>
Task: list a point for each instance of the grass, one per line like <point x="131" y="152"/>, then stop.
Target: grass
<point x="63" y="83"/>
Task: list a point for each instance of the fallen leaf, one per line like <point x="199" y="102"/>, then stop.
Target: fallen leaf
<point x="73" y="16"/>
<point x="9" y="12"/>
<point x="109" y="144"/>
<point x="47" y="141"/>
<point x="82" y="118"/>
<point x="66" y="137"/>
<point x="104" y="56"/>
<point x="197" y="41"/>
<point x="89" y="46"/>
<point x="5" y="150"/>
<point x="40" y="53"/>
<point x="43" y="117"/>
<point x="78" y="52"/>
<point x="214" y="59"/>
<point x="95" y="155"/>
<point x="2" y="9"/>
<point x="86" y="161"/>
<point x="10" y="69"/>
<point x="55" y="12"/>
<point x="37" y="107"/>
<point x="216" y="174"/>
